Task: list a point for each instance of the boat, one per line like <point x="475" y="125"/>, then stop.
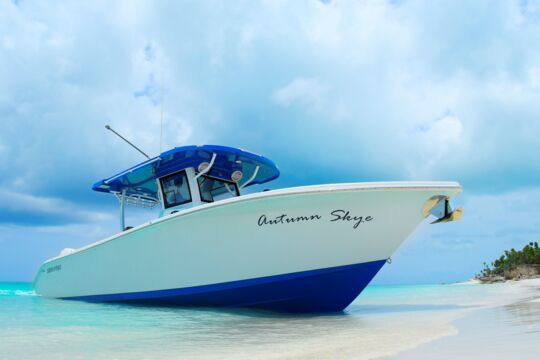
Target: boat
<point x="300" y="249"/>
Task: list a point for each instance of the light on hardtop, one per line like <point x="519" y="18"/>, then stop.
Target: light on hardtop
<point x="236" y="176"/>
<point x="203" y="166"/>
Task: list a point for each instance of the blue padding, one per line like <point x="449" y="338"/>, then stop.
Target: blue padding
<point x="321" y="290"/>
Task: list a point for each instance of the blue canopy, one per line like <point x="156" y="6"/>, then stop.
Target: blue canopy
<point x="140" y="179"/>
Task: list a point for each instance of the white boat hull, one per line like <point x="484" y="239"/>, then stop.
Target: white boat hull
<point x="299" y="249"/>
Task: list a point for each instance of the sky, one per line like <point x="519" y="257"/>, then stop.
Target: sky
<point x="332" y="91"/>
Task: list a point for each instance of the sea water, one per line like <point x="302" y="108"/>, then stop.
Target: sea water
<point x="383" y="321"/>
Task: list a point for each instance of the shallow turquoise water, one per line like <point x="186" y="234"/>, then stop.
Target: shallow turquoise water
<point x="35" y="327"/>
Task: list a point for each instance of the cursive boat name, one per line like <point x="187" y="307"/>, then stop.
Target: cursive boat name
<point x="335" y="215"/>
<point x="344" y="215"/>
<point x="284" y="219"/>
<point x="54" y="268"/>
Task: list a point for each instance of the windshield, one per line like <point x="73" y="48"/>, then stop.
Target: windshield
<point x="214" y="189"/>
<point x="175" y="189"/>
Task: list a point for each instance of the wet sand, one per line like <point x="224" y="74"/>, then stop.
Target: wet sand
<point x="509" y="328"/>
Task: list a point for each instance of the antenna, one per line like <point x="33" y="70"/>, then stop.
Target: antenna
<point x="161" y="123"/>
<point x="126" y="140"/>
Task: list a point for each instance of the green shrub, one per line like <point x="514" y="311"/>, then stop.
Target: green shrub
<point x="529" y="255"/>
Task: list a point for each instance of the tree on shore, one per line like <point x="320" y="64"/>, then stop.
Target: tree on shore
<point x="511" y="259"/>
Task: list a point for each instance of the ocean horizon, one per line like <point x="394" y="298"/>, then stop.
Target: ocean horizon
<point x="384" y="321"/>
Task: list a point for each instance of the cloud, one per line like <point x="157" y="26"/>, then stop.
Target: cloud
<point x="308" y="92"/>
<point x="32" y="210"/>
<point x="358" y="77"/>
<point x="529" y="10"/>
<point x="437" y="141"/>
<point x="345" y="91"/>
<point x="3" y="150"/>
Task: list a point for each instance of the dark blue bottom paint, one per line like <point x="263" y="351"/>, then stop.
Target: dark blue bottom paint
<point x="322" y="290"/>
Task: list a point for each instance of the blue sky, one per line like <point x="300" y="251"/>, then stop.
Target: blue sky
<point x="332" y="91"/>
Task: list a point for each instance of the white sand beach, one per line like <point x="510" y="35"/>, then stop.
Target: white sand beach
<point x="507" y="326"/>
<point x="465" y="321"/>
<point x="468" y="320"/>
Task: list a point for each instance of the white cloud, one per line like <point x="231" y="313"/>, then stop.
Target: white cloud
<point x="349" y="91"/>
<point x="436" y="141"/>
<point x="364" y="75"/>
<point x="309" y="92"/>
<point x="444" y="133"/>
<point x="25" y="203"/>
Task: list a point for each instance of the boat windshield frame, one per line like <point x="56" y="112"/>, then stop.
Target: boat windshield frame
<point x="226" y="182"/>
<point x="162" y="180"/>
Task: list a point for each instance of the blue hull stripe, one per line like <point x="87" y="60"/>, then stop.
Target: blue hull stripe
<point x="321" y="290"/>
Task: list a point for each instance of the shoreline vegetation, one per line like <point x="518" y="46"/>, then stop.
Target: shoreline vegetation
<point x="513" y="265"/>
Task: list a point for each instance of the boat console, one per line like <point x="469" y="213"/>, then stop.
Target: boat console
<point x="188" y="176"/>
